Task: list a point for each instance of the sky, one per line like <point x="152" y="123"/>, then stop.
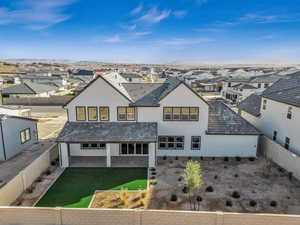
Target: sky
<point x="164" y="31"/>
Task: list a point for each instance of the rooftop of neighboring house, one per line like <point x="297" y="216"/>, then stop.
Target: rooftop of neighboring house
<point x="285" y="90"/>
<point x="131" y="75"/>
<point x="244" y="86"/>
<point x="269" y="78"/>
<point x="28" y="88"/>
<point x="6" y="116"/>
<point x="82" y="72"/>
<point x="251" y="105"/>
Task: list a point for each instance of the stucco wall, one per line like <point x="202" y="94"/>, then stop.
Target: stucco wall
<point x="60" y="216"/>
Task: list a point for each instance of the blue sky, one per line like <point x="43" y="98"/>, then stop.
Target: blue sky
<point x="151" y="31"/>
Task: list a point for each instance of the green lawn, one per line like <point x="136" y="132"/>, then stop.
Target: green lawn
<point x="76" y="186"/>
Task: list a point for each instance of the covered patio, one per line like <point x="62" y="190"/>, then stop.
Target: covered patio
<point x="108" y="144"/>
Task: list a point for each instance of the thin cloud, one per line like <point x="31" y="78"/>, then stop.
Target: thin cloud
<point x="180" y="13"/>
<point x="154" y="15"/>
<point x="36" y="14"/>
<point x="208" y="30"/>
<point x="184" y="41"/>
<point x="137" y="10"/>
<point x="129" y="27"/>
<point x="114" y="39"/>
<point x="142" y="33"/>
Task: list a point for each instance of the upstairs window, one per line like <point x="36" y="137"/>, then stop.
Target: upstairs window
<point x="264" y="104"/>
<point x="196" y="142"/>
<point x="25" y="135"/>
<point x="87" y="146"/>
<point x="126" y="113"/>
<point x="92" y="114"/>
<point x="289" y="113"/>
<point x="80" y="113"/>
<point x="274" y="135"/>
<point x="181" y="113"/>
<point x="104" y="113"/>
<point x="287" y="143"/>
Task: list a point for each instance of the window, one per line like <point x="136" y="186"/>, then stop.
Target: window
<point x="87" y="146"/>
<point x="259" y="85"/>
<point x="266" y="85"/>
<point x="287" y="143"/>
<point x="126" y="113"/>
<point x="289" y="113"/>
<point x="80" y="113"/>
<point x="196" y="142"/>
<point x="274" y="135"/>
<point x="25" y="135"/>
<point x="134" y="149"/>
<point x="181" y="113"/>
<point x="92" y="113"/>
<point x="104" y="113"/>
<point x="171" y="142"/>
<point x="264" y="104"/>
<point x="229" y="84"/>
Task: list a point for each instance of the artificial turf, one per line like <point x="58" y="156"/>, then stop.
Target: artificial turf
<point x="76" y="186"/>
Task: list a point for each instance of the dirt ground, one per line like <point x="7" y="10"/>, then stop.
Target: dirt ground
<point x="262" y="186"/>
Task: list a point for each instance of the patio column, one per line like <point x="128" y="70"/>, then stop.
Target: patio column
<point x="152" y="155"/>
<point x="108" y="155"/>
<point x="64" y="155"/>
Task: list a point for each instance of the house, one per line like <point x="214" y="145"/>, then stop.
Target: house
<point x="276" y="112"/>
<point x="139" y="122"/>
<point x="28" y="89"/>
<point x="15" y="111"/>
<point x="15" y="134"/>
<point x="132" y="77"/>
<point x="239" y="88"/>
<point x="56" y="81"/>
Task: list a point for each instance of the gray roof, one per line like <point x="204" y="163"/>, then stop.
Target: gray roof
<point x="130" y="75"/>
<point x="285" y="90"/>
<point x="269" y="78"/>
<point x="251" y="105"/>
<point x="113" y="132"/>
<point x="137" y="91"/>
<point x="6" y="116"/>
<point x="244" y="86"/>
<point x="223" y="121"/>
<point x="28" y="88"/>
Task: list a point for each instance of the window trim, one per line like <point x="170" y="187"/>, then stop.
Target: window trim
<point x="126" y="114"/>
<point x="195" y="142"/>
<point x="26" y="140"/>
<point x="100" y="113"/>
<point x="88" y="115"/>
<point x="167" y="142"/>
<point x="134" y="144"/>
<point x="181" y="107"/>
<point x="84" y="112"/>
<point x="92" y="148"/>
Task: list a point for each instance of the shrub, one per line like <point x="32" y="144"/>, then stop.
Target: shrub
<point x="213" y="158"/>
<point x="152" y="177"/>
<point x="189" y="158"/>
<point x="251" y="159"/>
<point x="225" y="167"/>
<point x="124" y="196"/>
<point x="29" y="190"/>
<point x="153" y="173"/>
<point x="173" y="198"/>
<point x="273" y="203"/>
<point x="153" y="182"/>
<point x="238" y="158"/>
<point x="229" y="203"/>
<point x="226" y="159"/>
<point x="39" y="179"/>
<point x="201" y="158"/>
<point x="185" y="189"/>
<point x="252" y="203"/>
<point x="209" y="189"/>
<point x="165" y="158"/>
<point x="153" y="169"/>
<point x="48" y="172"/>
<point x="235" y="194"/>
<point x="199" y="199"/>
<point x="53" y="163"/>
<point x="180" y="179"/>
<point x="176" y="157"/>
<point x="171" y="161"/>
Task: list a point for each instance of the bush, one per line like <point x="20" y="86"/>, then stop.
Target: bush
<point x="201" y="158"/>
<point x="176" y="158"/>
<point x="171" y="161"/>
<point x="213" y="158"/>
<point x="153" y="169"/>
<point x="39" y="179"/>
<point x="153" y="173"/>
<point x="29" y="190"/>
<point x="225" y="167"/>
<point x="165" y="158"/>
<point x="153" y="182"/>
<point x="229" y="203"/>
<point x="235" y="194"/>
<point x="226" y="159"/>
<point x="199" y="199"/>
<point x="238" y="158"/>
<point x="209" y="189"/>
<point x="252" y="203"/>
<point x="173" y="198"/>
<point x="152" y="177"/>
<point x="48" y="172"/>
<point x="273" y="203"/>
<point x="189" y="158"/>
<point x="180" y="179"/>
<point x="53" y="163"/>
<point x="185" y="189"/>
<point x="251" y="159"/>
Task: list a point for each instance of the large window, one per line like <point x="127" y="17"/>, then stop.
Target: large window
<point x="181" y="113"/>
<point x="92" y="113"/>
<point x="196" y="142"/>
<point x="104" y="113"/>
<point x="25" y="135"/>
<point x="126" y="113"/>
<point x="87" y="146"/>
<point x="80" y="113"/>
<point x="134" y="149"/>
<point x="171" y="142"/>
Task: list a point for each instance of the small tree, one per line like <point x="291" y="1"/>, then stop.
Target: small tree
<point x="193" y="181"/>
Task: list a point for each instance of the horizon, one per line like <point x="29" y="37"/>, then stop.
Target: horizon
<point x="152" y="32"/>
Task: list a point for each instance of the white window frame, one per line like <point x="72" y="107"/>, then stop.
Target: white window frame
<point x="89" y="147"/>
<point x="134" y="146"/>
<point x="194" y="142"/>
<point x="168" y="142"/>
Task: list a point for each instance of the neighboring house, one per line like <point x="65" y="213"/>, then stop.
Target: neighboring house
<point x="132" y="77"/>
<point x="56" y="81"/>
<point x="15" y="134"/>
<point x="276" y="113"/>
<point x="15" y="111"/>
<point x="111" y="120"/>
<point x="207" y="85"/>
<point x="82" y="74"/>
<point x="238" y="89"/>
<point x="28" y="89"/>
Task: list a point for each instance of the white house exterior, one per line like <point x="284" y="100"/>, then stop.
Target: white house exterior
<point x="15" y="134"/>
<point x="276" y="113"/>
<point x="149" y="120"/>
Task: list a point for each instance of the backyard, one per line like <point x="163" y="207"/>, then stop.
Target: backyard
<point x="76" y="186"/>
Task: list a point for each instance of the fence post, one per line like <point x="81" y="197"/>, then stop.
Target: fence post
<point x="58" y="216"/>
<point x="219" y="218"/>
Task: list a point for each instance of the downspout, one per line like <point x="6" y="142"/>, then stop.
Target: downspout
<point x="4" y="152"/>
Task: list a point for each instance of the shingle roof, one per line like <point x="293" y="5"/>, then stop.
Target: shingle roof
<point x="28" y="88"/>
<point x="251" y="105"/>
<point x="5" y="116"/>
<point x="131" y="75"/>
<point x="285" y="90"/>
<point x="244" y="86"/>
<point x="137" y="91"/>
<point x="269" y="78"/>
<point x="223" y="121"/>
<point x="113" y="132"/>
